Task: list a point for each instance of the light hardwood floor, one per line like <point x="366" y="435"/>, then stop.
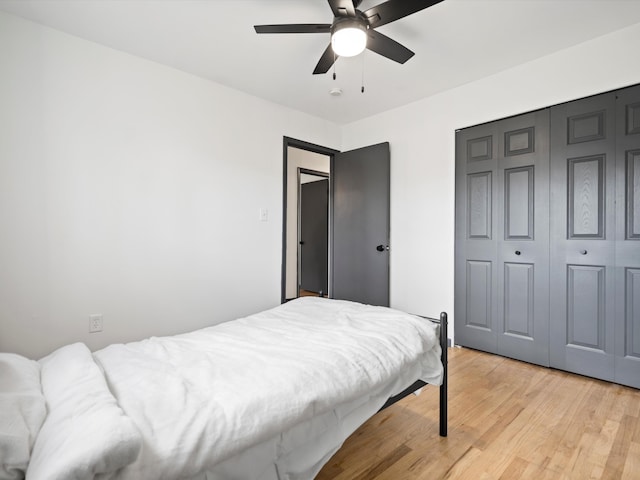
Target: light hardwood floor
<point x="507" y="420"/>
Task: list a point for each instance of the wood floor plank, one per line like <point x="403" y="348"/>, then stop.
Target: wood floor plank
<point x="620" y="449"/>
<point x="516" y="469"/>
<point x="378" y="469"/>
<point x="507" y="420"/>
<point x="632" y="465"/>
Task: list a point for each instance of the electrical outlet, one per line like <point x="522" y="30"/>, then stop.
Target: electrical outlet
<point x="95" y="323"/>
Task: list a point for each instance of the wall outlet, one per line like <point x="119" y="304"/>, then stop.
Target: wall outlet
<point x="95" y="323"/>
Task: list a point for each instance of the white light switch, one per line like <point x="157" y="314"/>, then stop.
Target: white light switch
<point x="264" y="215"/>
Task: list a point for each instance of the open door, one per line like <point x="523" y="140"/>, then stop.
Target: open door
<point x="360" y="233"/>
<point x="313" y="254"/>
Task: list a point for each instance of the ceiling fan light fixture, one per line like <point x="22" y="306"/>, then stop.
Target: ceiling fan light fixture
<point x="349" y="38"/>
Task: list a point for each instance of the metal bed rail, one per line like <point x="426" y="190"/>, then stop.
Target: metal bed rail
<point x="444" y="343"/>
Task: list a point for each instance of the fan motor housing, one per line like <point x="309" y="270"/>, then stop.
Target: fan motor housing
<point x="359" y="21"/>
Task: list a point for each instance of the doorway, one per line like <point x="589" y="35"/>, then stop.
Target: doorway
<point x="300" y="157"/>
<point x="358" y="220"/>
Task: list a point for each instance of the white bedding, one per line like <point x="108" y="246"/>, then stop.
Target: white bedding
<point x="205" y="400"/>
<point x="22" y="411"/>
<point x="85" y="435"/>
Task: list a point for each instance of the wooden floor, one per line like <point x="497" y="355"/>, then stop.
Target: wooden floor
<point x="507" y="420"/>
<point x="307" y="293"/>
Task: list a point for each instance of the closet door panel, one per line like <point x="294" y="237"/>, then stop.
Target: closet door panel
<point x="523" y="237"/>
<point x="632" y="320"/>
<point x="476" y="255"/>
<point x="519" y="298"/>
<point x="479" y="282"/>
<point x="586" y="307"/>
<point x="479" y="214"/>
<point x="582" y="250"/>
<point x="585" y="184"/>
<point x="519" y="203"/>
<point x="627" y="344"/>
<point x="632" y="200"/>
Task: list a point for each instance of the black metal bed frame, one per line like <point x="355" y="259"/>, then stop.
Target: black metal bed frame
<point x="444" y="343"/>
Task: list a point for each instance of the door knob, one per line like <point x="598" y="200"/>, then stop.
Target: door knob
<point x="518" y="252"/>
<point x="382" y="248"/>
<point x="583" y="252"/>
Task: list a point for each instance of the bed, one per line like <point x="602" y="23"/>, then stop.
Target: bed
<point x="270" y="396"/>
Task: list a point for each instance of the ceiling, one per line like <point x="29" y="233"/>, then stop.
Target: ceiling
<point x="455" y="42"/>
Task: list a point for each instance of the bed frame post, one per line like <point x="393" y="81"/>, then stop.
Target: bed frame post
<point x="444" y="343"/>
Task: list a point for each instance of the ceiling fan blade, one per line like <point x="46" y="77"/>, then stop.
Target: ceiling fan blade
<point x="294" y="28"/>
<point x="342" y="8"/>
<point x="392" y="10"/>
<point x="326" y="60"/>
<point x="383" y="45"/>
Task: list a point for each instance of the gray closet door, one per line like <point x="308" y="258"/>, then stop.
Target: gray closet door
<point x="502" y="237"/>
<point x="476" y="257"/>
<point x="548" y="237"/>
<point x="582" y="284"/>
<point x="627" y="260"/>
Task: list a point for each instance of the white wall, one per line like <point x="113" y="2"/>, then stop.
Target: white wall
<point x="422" y="139"/>
<point x="133" y="190"/>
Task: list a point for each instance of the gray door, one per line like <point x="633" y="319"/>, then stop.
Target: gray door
<point x="582" y="252"/>
<point x="314" y="236"/>
<point x="360" y="204"/>
<point x="502" y="240"/>
<point x="627" y="261"/>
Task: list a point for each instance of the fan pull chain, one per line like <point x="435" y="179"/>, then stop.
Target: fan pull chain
<point x="362" y="82"/>
<point x="335" y="59"/>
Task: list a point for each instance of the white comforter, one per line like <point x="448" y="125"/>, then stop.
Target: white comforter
<point x="200" y="398"/>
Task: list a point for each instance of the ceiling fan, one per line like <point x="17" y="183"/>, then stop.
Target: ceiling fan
<point x="353" y="30"/>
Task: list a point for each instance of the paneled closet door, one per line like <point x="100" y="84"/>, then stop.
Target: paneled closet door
<point x="476" y="258"/>
<point x="583" y="236"/>
<point x="523" y="233"/>
<point x="627" y="269"/>
<point x="502" y="237"/>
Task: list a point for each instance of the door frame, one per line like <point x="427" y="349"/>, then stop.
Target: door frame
<point x="311" y="147"/>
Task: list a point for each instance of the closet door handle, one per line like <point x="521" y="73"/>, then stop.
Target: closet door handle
<point x="518" y="252"/>
<point x="583" y="252"/>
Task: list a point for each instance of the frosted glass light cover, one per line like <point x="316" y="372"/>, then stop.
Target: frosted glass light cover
<point x="349" y="42"/>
